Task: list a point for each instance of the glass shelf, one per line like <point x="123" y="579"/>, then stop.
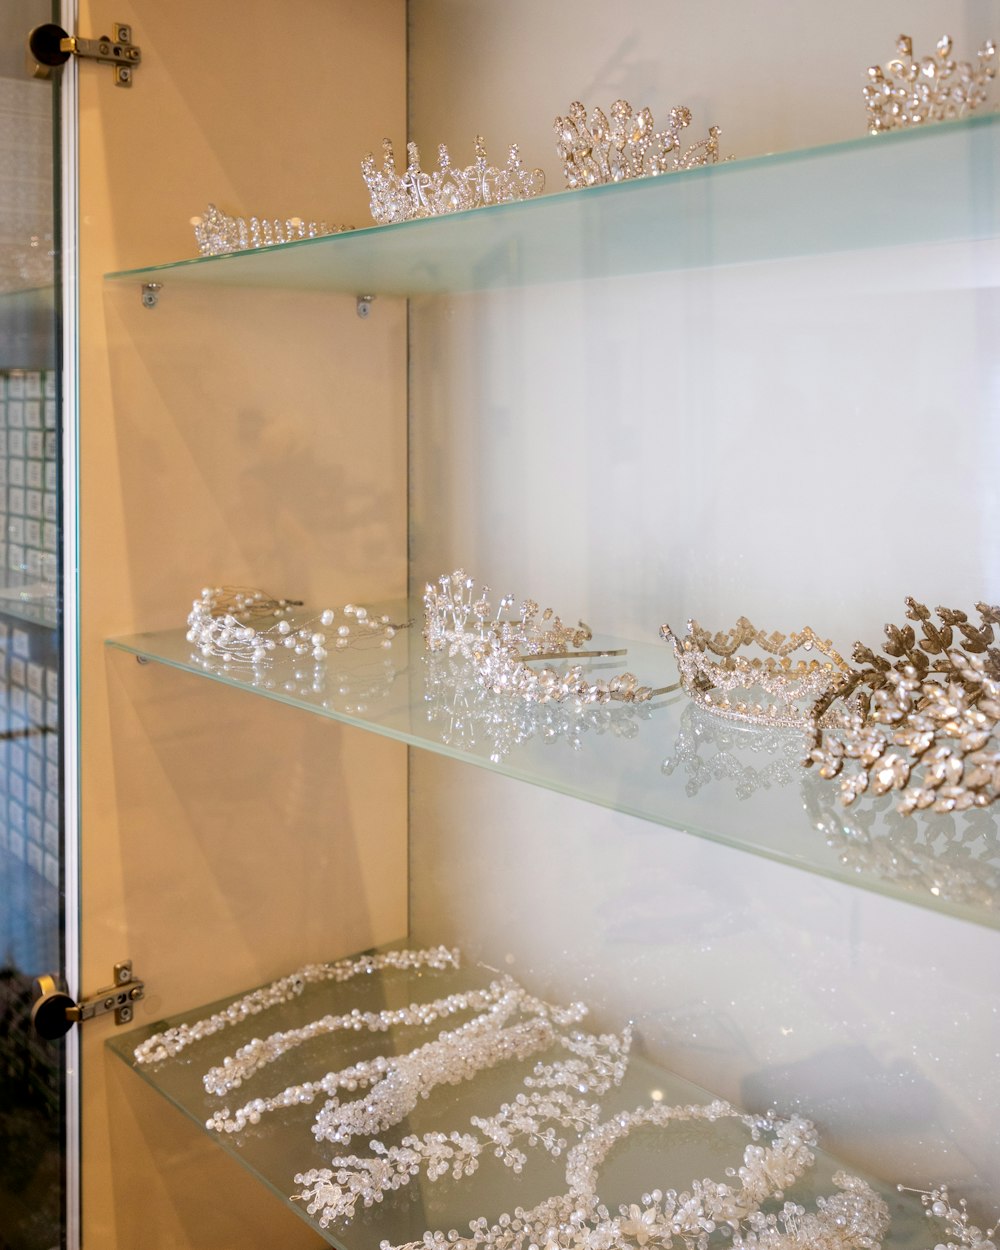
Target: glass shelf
<point x="865" y="193"/>
<point x="666" y="762"/>
<point x="282" y="1144"/>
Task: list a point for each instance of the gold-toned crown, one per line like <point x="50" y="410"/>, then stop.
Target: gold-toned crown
<point x="597" y="150"/>
<point x="794" y="685"/>
<point x="449" y="188"/>
<point x="909" y="90"/>
<point x="926" y="726"/>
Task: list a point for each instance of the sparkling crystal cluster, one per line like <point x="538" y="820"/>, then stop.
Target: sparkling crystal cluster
<point x="595" y="150"/>
<point x="777" y="754"/>
<point x="909" y="90"/>
<point x="449" y="188"/>
<point x="218" y="234"/>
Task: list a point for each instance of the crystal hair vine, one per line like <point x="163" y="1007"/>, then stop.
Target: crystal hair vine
<point x="924" y="723"/>
<point x="962" y="1233"/>
<point x="159" y="1047"/>
<point x="909" y="90"/>
<point x="460" y="620"/>
<point x="791" y="684"/>
<point x="556" y="1096"/>
<point x="449" y="188"/>
<point x="224" y="622"/>
<point x="218" y="234"/>
<point x="597" y="150"/>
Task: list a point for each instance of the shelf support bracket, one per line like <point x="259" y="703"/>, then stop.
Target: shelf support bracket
<point x="150" y="292"/>
<point x="363" y="303"/>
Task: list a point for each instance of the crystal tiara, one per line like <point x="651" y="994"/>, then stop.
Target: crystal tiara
<point x="712" y="682"/>
<point x="217" y="234"/>
<point x="909" y="90"/>
<point x="449" y="188"/>
<point x="597" y="150"/>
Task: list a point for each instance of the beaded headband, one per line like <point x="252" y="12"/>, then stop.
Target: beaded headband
<point x="711" y="682"/>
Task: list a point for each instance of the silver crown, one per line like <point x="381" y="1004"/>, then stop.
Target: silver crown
<point x="218" y="234"/>
<point x="448" y="189"/>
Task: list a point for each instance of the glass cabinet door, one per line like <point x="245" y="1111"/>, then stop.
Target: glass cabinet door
<point x="32" y="872"/>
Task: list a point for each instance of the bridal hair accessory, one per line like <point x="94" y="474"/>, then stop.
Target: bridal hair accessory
<point x="627" y="146"/>
<point x="554" y="1097"/>
<point x="256" y="1054"/>
<point x="397" y="1083"/>
<point x="449" y="189"/>
<point x="928" y="725"/>
<point x="462" y="621"/>
<point x="217" y="234"/>
<point x="909" y="90"/>
<point x="792" y="684"/>
<point x="853" y="1219"/>
<point x="170" y="1043"/>
<point x="961" y="1231"/>
<point x="219" y="624"/>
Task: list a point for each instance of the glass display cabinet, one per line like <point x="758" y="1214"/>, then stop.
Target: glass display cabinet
<point x="763" y="388"/>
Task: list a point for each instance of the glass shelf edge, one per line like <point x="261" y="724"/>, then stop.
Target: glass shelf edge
<point x="169" y="649"/>
<point x="734" y="212"/>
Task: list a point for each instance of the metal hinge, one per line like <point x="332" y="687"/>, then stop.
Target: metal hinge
<point x="50" y="46"/>
<point x="55" y="1012"/>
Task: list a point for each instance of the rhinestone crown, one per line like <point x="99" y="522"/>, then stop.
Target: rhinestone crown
<point x="909" y="90"/>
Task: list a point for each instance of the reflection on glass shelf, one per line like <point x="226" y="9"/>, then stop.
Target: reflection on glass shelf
<point x="365" y="1028"/>
<point x="864" y="193"/>
<point x="31" y="601"/>
<point x="659" y="762"/>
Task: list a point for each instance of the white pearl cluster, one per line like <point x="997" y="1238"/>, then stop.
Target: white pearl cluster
<point x="219" y="625"/>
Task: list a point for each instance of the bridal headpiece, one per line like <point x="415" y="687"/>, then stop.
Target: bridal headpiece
<point x="449" y="188"/>
<point x="226" y="622"/>
<point x="926" y="721"/>
<point x="500" y="643"/>
<point x="218" y="234"/>
<point x="596" y="150"/>
<point x="909" y="90"/>
<point x="725" y="682"/>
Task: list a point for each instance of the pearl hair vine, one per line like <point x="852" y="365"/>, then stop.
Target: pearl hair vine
<point x="448" y="189"/>
<point x="460" y="620"/>
<point x="910" y="91"/>
<point x="223" y="623"/>
<point x="597" y="150"/>
<point x="962" y="1233"/>
<point x="711" y="682"/>
<point x="169" y="1043"/>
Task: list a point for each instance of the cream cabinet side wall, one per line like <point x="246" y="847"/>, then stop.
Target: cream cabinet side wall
<point x="247" y="439"/>
<point x="764" y="439"/>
